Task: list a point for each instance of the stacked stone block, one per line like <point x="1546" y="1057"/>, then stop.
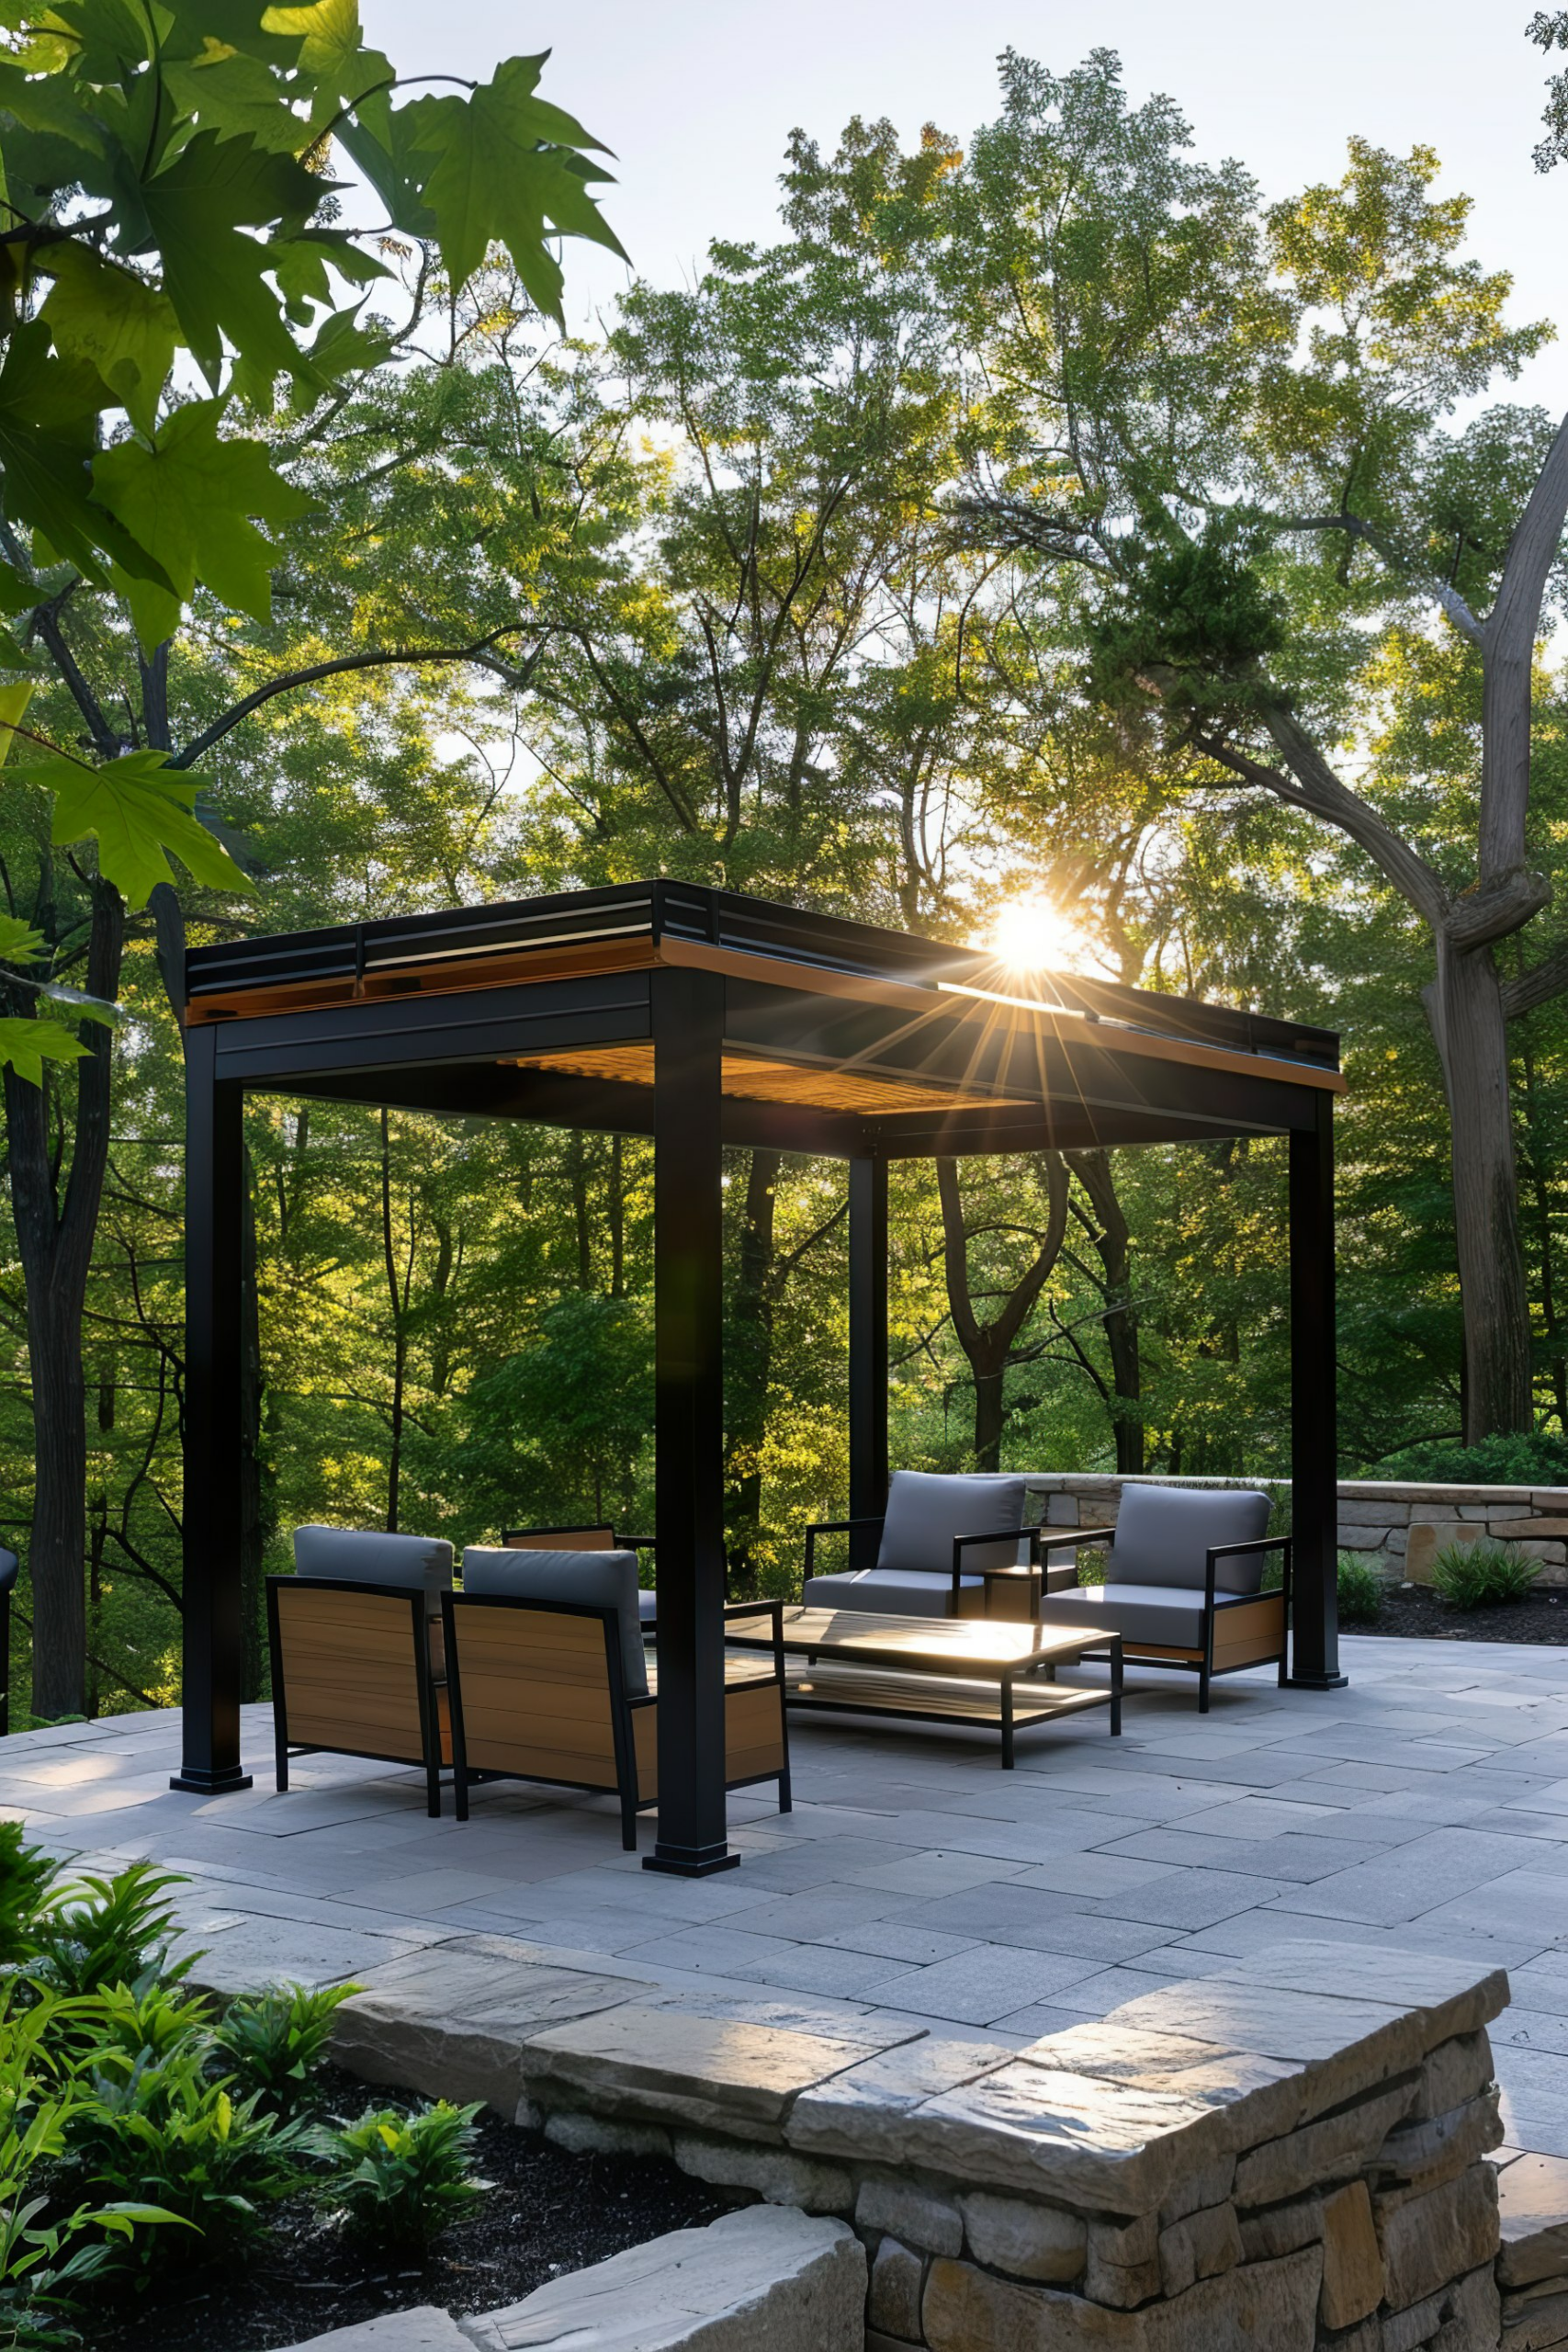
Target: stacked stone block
<point x="1293" y="2154"/>
<point x="1532" y="2262"/>
<point x="1396" y="1528"/>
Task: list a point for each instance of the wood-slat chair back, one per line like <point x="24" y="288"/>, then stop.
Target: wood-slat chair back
<point x="538" y="1691"/>
<point x="351" y="1676"/>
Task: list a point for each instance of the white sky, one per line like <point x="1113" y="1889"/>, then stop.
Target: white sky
<point x="697" y="96"/>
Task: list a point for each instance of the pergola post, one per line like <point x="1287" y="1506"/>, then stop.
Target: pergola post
<point x="1313" y="1435"/>
<point x="688" y="1285"/>
<point x="214" y="1177"/>
<point x="868" y="1338"/>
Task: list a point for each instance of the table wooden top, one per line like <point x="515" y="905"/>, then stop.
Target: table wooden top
<point x="974" y="1646"/>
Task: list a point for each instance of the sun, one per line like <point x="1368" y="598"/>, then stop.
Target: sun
<point x="1032" y="935"/>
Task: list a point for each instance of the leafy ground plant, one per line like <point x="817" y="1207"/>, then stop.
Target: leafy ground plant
<point x="154" y="2130"/>
<point x="49" y="2251"/>
<point x="94" y="1932"/>
<point x="274" y="2040"/>
<point x="399" y="2179"/>
<point x="25" y="1875"/>
<point x="1478" y="1576"/>
<point x="1360" y="1589"/>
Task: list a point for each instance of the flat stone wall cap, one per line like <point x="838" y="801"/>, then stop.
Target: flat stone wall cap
<point x="1370" y="2038"/>
<point x="690" y="2065"/>
<point x="424" y="2330"/>
<point x="857" y="2113"/>
<point x="767" y="2279"/>
<point x="1453" y="1994"/>
<point x="1110" y="2146"/>
<point x="867" y="2035"/>
<point x="491" y="1993"/>
<point x="1209" y="2073"/>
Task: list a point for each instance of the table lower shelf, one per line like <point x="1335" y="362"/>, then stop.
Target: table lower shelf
<point x="939" y="1698"/>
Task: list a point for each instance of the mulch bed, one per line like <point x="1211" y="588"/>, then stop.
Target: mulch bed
<point x="1415" y="1610"/>
<point x="547" y="2213"/>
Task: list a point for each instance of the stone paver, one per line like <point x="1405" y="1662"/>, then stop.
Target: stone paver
<point x="1425" y="1808"/>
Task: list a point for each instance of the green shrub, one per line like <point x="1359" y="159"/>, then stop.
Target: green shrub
<point x="1477" y="1576"/>
<point x="1514" y="1458"/>
<point x="25" y="1875"/>
<point x="1360" y="1589"/>
<point x="274" y="2041"/>
<point x="50" y="2252"/>
<point x="154" y="2130"/>
<point x="94" y="1932"/>
<point x="399" y="2180"/>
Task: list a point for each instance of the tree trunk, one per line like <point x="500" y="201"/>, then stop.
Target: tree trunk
<point x="400" y="1344"/>
<point x="1111" y="1237"/>
<point x="988" y="1346"/>
<point x="1464" y="1005"/>
<point x="55" y="1233"/>
<point x="988" y="1414"/>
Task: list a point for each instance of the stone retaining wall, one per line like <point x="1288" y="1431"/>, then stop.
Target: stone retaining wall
<point x="1395" y="1528"/>
<point x="1280" y="2155"/>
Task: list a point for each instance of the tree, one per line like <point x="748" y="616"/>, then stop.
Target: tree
<point x="166" y="194"/>
<point x="1233" y="425"/>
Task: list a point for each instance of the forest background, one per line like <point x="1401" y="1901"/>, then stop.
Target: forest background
<point x="950" y="562"/>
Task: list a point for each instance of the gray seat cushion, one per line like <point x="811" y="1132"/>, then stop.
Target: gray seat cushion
<point x="1163" y="1534"/>
<point x="362" y="1556"/>
<point x="926" y="1511"/>
<point x="1165" y="1616"/>
<point x="910" y="1592"/>
<point x="602" y="1579"/>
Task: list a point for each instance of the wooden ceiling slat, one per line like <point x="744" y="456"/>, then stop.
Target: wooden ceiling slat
<point x="752" y="1079"/>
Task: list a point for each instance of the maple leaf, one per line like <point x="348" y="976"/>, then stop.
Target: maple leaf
<point x="189" y="500"/>
<point x="198" y="209"/>
<point x="141" y="812"/>
<point x="26" y="1046"/>
<point x="120" y="325"/>
<point x="503" y="172"/>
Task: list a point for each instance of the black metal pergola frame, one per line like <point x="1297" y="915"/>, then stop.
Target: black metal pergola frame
<point x="703" y="1018"/>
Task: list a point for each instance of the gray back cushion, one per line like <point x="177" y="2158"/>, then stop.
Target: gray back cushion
<point x="1164" y="1533"/>
<point x="602" y="1579"/>
<point x="925" y="1512"/>
<point x="416" y="1562"/>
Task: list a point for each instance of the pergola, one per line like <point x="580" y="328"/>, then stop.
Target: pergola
<point x="703" y="1018"/>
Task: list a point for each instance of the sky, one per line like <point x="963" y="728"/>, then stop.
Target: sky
<point x="697" y="97"/>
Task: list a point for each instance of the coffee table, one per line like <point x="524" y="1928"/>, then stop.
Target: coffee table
<point x="985" y="1672"/>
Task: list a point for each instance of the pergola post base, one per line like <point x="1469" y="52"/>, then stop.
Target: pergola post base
<point x="1319" y="1683"/>
<point x="691" y="1862"/>
<point x="223" y="1782"/>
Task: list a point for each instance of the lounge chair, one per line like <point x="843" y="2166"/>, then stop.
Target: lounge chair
<point x="1183" y="1582"/>
<point x="942" y="1543"/>
<point x="358" y="1667"/>
<point x="586" y="1539"/>
<point x="549" y="1680"/>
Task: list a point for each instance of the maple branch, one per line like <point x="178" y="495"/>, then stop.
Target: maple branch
<point x="394" y="657"/>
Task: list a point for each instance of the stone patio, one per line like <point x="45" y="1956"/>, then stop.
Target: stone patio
<point x="1425" y="1809"/>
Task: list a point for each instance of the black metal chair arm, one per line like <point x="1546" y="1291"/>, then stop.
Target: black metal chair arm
<point x="1066" y="1535"/>
<point x="836" y="1527"/>
<point x="1259" y="1543"/>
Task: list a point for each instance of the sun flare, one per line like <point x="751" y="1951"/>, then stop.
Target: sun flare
<point x="1032" y="935"/>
